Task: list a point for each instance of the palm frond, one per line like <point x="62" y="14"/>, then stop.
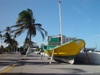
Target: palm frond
<point x="31" y="13"/>
<point x="41" y="30"/>
<point x="24" y="16"/>
<point x="19" y="31"/>
<point x="44" y="31"/>
<point x="42" y="34"/>
<point x="31" y="31"/>
<point x="38" y="25"/>
<point x="16" y="25"/>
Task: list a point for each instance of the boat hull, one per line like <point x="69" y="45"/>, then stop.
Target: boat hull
<point x="93" y="56"/>
<point x="67" y="59"/>
<point x="65" y="52"/>
<point x="67" y="49"/>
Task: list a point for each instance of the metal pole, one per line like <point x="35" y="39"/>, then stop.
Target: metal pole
<point x="60" y="22"/>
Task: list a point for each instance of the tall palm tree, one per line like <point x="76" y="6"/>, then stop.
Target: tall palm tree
<point x="26" y="21"/>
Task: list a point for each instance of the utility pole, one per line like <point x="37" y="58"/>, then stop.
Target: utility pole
<point x="60" y="22"/>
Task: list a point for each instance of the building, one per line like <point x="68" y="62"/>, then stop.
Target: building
<point x="42" y="44"/>
<point x="67" y="39"/>
<point x="64" y="39"/>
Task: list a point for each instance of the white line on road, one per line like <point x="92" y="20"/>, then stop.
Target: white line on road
<point x="7" y="66"/>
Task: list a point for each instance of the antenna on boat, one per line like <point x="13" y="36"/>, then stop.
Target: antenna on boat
<point x="60" y="22"/>
<point x="96" y="46"/>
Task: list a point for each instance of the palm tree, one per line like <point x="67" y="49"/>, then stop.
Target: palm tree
<point x="7" y="29"/>
<point x="8" y="39"/>
<point x="15" y="44"/>
<point x="26" y="21"/>
<point x="27" y="41"/>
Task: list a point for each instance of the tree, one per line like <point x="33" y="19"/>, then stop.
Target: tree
<point x="8" y="39"/>
<point x="26" y="21"/>
<point x="26" y="43"/>
<point x="7" y="30"/>
<point x="15" y="44"/>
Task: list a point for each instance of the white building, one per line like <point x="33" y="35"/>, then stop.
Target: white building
<point x="64" y="39"/>
<point x="67" y="39"/>
<point x="42" y="44"/>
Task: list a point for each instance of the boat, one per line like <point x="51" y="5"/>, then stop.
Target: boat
<point x="93" y="55"/>
<point x="65" y="52"/>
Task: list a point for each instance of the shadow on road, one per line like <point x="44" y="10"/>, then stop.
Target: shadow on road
<point x="44" y="74"/>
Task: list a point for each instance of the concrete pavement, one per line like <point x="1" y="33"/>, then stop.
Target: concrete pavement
<point x="33" y="65"/>
<point x="8" y="59"/>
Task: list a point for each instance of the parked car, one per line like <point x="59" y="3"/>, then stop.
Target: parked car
<point x="23" y="53"/>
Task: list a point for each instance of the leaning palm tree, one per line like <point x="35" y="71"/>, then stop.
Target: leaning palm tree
<point x="26" y="21"/>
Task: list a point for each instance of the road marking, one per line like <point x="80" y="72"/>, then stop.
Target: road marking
<point x="8" y="67"/>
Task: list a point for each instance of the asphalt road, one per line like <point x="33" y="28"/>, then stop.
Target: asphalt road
<point x="33" y="65"/>
<point x="7" y="59"/>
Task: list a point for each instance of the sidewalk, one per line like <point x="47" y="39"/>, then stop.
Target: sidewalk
<point x="33" y="65"/>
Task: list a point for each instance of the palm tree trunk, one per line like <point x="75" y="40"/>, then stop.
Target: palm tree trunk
<point x="29" y="46"/>
<point x="30" y="40"/>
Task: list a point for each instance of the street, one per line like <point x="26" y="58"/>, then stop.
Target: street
<point x="33" y="65"/>
<point x="7" y="59"/>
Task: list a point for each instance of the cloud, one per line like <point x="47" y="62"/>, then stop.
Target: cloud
<point x="94" y="36"/>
